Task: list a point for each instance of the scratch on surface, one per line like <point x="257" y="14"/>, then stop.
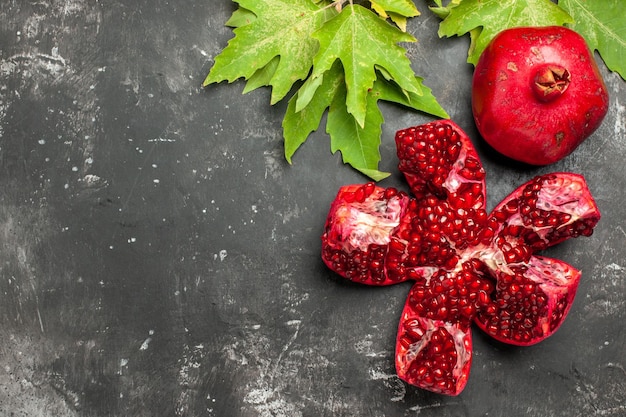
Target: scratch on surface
<point x="612" y="365"/>
<point x="131" y="192"/>
<point x="160" y="139"/>
<point x="39" y="318"/>
<point x="620" y="127"/>
<point x="364" y="347"/>
<point x="587" y="390"/>
<point x="155" y="142"/>
<point x="23" y="261"/>
<point x="617" y="112"/>
<point x="419" y="408"/>
<point x="46" y="57"/>
<point x="32" y="284"/>
<point x="392" y="381"/>
<point x="266" y="394"/>
<point x="286" y="347"/>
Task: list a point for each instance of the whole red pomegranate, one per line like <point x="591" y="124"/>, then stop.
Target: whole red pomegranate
<point x="537" y="93"/>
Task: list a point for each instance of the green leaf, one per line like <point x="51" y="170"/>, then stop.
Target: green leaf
<point x="299" y="123"/>
<point x="307" y="91"/>
<point x="361" y="41"/>
<point x="263" y="76"/>
<point x="399" y="20"/>
<point x="443" y="11"/>
<point x="404" y="8"/>
<point x="359" y="145"/>
<point x="426" y="102"/>
<point x="282" y="28"/>
<point x="494" y="16"/>
<point x="240" y="17"/>
<point x="603" y="25"/>
<point x="348" y="60"/>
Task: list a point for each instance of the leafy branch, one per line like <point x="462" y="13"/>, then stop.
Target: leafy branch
<point x="337" y="57"/>
<point x="341" y="57"/>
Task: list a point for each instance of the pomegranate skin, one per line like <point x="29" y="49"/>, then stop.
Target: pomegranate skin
<point x="537" y="93"/>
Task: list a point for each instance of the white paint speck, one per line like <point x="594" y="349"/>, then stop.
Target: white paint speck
<point x="159" y="139"/>
<point x="614" y="267"/>
<point x="620" y="126"/>
<point x="145" y="344"/>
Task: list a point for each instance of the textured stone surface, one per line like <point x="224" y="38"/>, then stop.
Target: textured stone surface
<point x="159" y="257"/>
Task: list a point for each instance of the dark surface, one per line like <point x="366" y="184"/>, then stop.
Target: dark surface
<point x="158" y="257"/>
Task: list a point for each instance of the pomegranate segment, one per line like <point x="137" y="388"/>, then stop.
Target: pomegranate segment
<point x="531" y="301"/>
<point x="467" y="265"/>
<point x="433" y="354"/>
<point x="439" y="159"/>
<point x="549" y="209"/>
<point x="358" y="230"/>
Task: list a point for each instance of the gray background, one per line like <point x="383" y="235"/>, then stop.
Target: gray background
<point x="158" y="257"/>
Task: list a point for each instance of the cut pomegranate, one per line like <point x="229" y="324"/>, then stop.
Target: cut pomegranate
<point x="358" y="232"/>
<point x="467" y="265"/>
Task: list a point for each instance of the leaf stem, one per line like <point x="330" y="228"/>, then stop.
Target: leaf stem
<point x="338" y="4"/>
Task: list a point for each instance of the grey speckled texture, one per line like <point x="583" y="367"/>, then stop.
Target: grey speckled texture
<point x="159" y="257"/>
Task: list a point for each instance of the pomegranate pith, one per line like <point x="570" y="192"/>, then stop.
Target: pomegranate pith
<point x="467" y="265"/>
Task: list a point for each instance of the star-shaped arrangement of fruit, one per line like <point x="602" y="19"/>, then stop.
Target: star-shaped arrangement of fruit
<point x="467" y="265"/>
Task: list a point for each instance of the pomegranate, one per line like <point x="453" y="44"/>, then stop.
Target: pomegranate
<point x="466" y="265"/>
<point x="537" y="93"/>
